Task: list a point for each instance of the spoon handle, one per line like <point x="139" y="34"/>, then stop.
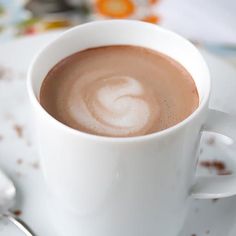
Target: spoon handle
<point x="20" y="224"/>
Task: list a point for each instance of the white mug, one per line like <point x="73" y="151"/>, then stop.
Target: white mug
<point x="135" y="186"/>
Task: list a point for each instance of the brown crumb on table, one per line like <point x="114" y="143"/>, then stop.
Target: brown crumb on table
<point x="219" y="165"/>
<point x="211" y="141"/>
<point x="17" y="212"/>
<point x="193" y="235"/>
<point x="206" y="164"/>
<point x="19" y="130"/>
<point x="207" y="231"/>
<point x="19" y="161"/>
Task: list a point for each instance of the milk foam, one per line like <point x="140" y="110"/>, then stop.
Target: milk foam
<point x="114" y="106"/>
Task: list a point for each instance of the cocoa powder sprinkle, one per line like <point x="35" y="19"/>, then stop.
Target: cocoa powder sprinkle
<point x="19" y="161"/>
<point x="17" y="212"/>
<point x="210" y="141"/>
<point x="19" y="130"/>
<point x="218" y="166"/>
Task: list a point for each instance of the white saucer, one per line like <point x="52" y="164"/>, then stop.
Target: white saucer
<point x="18" y="156"/>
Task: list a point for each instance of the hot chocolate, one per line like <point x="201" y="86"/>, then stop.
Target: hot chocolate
<point x="119" y="91"/>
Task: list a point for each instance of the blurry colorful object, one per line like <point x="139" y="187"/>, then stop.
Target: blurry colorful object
<point x="11" y="12"/>
<point x="15" y="20"/>
<point x="44" y="15"/>
<point x="121" y="9"/>
<point x="115" y="8"/>
<point x="152" y="19"/>
<point x="152" y="2"/>
<point x="35" y="25"/>
<point x="27" y="27"/>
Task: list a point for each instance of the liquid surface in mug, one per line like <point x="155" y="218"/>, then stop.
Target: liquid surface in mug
<point x="119" y="91"/>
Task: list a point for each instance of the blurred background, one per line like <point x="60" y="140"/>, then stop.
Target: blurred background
<point x="207" y="23"/>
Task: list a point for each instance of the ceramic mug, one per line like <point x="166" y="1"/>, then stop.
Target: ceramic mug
<point x="135" y="186"/>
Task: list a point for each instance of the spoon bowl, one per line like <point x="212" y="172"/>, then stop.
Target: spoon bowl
<point x="7" y="193"/>
<point x="7" y="200"/>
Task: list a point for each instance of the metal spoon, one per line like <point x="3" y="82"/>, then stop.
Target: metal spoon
<point x="7" y="199"/>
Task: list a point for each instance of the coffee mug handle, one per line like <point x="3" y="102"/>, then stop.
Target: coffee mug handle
<point x="209" y="187"/>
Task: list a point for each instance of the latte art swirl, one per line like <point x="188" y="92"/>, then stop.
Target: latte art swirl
<point x="114" y="106"/>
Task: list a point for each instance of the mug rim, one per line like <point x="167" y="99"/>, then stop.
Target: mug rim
<point x="36" y="103"/>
